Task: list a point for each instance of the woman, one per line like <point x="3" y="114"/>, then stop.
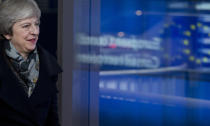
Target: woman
<point x="28" y="73"/>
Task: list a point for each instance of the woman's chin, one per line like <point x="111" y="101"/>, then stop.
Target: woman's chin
<point x="31" y="48"/>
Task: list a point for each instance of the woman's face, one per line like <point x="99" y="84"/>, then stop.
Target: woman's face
<point x="25" y="34"/>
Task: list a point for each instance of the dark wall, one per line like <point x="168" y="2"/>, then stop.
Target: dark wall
<point x="48" y="27"/>
<point x="48" y="32"/>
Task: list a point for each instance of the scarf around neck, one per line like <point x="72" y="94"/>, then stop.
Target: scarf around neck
<point x="27" y="69"/>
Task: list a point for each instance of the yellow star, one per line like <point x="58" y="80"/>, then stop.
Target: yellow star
<point x="198" y="61"/>
<point x="187" y="33"/>
<point x="186" y="51"/>
<point x="193" y="27"/>
<point x="199" y="24"/>
<point x="186" y="42"/>
<point x="191" y="58"/>
<point x="205" y="59"/>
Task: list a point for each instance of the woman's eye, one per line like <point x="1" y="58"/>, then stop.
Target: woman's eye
<point x="37" y="24"/>
<point x="25" y="26"/>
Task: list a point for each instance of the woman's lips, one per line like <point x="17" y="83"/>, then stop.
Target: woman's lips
<point x="33" y="40"/>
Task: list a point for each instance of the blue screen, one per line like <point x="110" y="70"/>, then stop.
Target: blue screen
<point x="153" y="100"/>
<point x="154" y="58"/>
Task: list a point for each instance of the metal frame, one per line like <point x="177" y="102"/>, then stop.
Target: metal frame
<point x="78" y="104"/>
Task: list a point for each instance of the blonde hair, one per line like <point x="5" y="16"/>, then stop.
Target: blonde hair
<point x="11" y="11"/>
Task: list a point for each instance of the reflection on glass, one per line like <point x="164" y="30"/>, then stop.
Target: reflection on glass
<point x="154" y="60"/>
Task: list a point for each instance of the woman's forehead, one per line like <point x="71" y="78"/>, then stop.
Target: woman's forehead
<point x="32" y="19"/>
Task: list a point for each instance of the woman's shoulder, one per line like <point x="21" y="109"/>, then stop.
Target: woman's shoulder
<point x="49" y="60"/>
<point x="45" y="54"/>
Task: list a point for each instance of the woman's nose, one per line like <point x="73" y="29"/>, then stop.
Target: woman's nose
<point x="34" y="30"/>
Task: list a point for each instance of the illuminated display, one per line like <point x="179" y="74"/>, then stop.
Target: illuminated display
<point x="147" y="39"/>
<point x="153" y="60"/>
<point x="167" y="97"/>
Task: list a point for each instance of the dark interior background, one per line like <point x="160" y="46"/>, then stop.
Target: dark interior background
<point x="48" y="27"/>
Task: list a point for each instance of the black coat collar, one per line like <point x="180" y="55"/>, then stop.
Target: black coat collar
<point x="49" y="61"/>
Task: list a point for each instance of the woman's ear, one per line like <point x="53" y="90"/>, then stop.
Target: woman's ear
<point x="7" y="36"/>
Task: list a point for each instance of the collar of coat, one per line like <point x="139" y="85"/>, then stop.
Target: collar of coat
<point x="49" y="61"/>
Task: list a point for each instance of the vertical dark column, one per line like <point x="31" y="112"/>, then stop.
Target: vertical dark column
<point x="79" y="88"/>
<point x="59" y="52"/>
<point x="65" y="55"/>
<point x="94" y="76"/>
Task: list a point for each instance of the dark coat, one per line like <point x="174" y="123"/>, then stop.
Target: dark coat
<point x="16" y="109"/>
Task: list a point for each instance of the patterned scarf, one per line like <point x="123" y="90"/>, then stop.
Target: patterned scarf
<point x="27" y="69"/>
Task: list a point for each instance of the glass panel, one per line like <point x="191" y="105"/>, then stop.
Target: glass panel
<point x="153" y="59"/>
